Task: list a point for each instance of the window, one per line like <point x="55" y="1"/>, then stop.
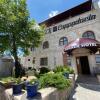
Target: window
<point x="45" y="45"/>
<point x="29" y="68"/>
<point x="88" y="34"/>
<point x="28" y="59"/>
<point x="97" y="57"/>
<point x="34" y="60"/>
<point x="44" y="61"/>
<point x="32" y="49"/>
<point x="54" y="28"/>
<point x="48" y="31"/>
<point x="63" y="41"/>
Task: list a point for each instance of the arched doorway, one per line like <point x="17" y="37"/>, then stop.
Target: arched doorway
<point x="82" y="64"/>
<point x="81" y="56"/>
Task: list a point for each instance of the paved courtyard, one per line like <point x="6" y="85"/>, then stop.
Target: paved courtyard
<point x="87" y="88"/>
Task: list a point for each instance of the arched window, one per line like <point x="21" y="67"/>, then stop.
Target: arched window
<point x="63" y="41"/>
<point x="88" y="34"/>
<point x="45" y="45"/>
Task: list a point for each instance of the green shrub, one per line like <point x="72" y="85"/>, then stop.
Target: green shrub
<point x="56" y="80"/>
<point x="44" y="70"/>
<point x="17" y="80"/>
<point x="70" y="70"/>
<point x="59" y="69"/>
<point x="7" y="79"/>
<point x="63" y="69"/>
<point x="11" y="79"/>
<point x="36" y="74"/>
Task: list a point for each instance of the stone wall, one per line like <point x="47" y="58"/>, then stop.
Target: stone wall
<point x="6" y="67"/>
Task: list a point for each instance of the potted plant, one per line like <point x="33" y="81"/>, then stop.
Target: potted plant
<point x="65" y="70"/>
<point x="69" y="71"/>
<point x="66" y="74"/>
<point x="62" y="69"/>
<point x="32" y="87"/>
<point x="17" y="86"/>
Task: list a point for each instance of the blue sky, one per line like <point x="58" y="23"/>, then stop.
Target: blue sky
<point x="41" y="10"/>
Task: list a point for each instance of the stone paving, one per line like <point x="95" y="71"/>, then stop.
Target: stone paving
<point x="87" y="88"/>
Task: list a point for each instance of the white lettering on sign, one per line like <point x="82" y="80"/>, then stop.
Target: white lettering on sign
<point x="82" y="45"/>
<point x="88" y="44"/>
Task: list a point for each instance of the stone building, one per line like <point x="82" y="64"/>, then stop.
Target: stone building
<point x="65" y="33"/>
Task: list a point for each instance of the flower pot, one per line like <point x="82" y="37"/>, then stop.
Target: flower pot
<point x="66" y="75"/>
<point x="31" y="90"/>
<point x="17" y="88"/>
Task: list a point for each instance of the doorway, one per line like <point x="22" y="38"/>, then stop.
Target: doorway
<point x="83" y="65"/>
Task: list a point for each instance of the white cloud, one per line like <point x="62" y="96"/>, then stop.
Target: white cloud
<point x="53" y="13"/>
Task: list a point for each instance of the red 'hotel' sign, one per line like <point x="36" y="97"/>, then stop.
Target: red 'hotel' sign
<point x="82" y="45"/>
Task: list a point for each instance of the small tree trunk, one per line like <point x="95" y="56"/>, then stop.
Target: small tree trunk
<point x="17" y="64"/>
<point x="17" y="69"/>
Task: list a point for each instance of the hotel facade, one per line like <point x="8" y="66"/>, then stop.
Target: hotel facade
<point x="71" y="38"/>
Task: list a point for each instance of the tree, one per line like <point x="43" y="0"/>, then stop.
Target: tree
<point x="17" y="30"/>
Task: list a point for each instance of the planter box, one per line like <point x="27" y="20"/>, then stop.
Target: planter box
<point x="48" y="93"/>
<point x="64" y="94"/>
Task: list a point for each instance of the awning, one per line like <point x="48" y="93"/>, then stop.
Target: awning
<point x="91" y="44"/>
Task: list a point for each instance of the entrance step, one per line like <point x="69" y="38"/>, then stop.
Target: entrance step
<point x="87" y="79"/>
<point x="95" y="87"/>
